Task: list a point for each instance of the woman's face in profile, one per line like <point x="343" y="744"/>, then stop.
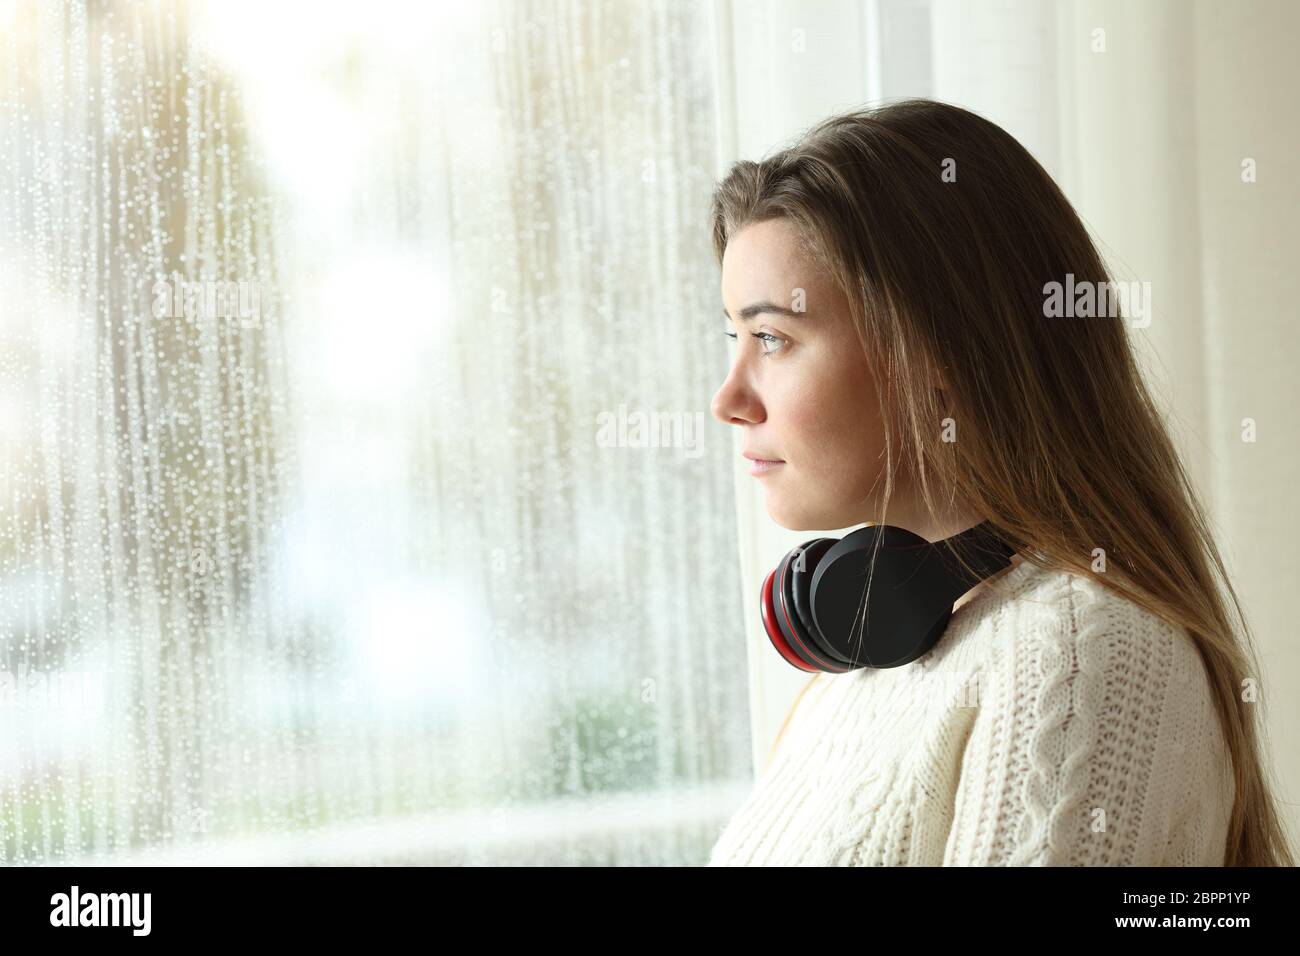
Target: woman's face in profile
<point x="799" y="388"/>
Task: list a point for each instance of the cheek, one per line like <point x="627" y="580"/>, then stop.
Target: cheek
<point x="838" y="431"/>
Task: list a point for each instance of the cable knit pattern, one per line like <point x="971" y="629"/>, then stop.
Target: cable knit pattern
<point x="1056" y="723"/>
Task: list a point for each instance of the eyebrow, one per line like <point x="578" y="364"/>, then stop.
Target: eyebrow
<point x="749" y="311"/>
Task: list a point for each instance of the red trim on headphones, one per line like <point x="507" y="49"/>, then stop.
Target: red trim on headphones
<point x="773" y="631"/>
<point x="833" y="667"/>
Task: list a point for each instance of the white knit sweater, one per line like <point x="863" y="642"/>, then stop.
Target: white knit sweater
<point x="1055" y="723"/>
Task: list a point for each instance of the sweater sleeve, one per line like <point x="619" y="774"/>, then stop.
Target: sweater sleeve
<point x="1095" y="743"/>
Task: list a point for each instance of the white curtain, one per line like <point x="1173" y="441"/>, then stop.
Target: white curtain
<point x="377" y="563"/>
<point x="1146" y="113"/>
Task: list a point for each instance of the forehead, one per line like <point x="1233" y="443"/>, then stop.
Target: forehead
<point x="766" y="260"/>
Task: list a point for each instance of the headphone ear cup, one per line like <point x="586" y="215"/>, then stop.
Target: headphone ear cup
<point x="802" y="642"/>
<point x="800" y="591"/>
<point x="774" y="633"/>
<point x="896" y="622"/>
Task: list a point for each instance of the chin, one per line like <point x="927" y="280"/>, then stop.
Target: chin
<point x="796" y="519"/>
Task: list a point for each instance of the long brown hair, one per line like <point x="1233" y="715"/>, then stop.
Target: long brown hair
<point x="943" y="232"/>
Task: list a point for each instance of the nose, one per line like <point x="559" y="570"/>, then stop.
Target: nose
<point x="735" y="402"/>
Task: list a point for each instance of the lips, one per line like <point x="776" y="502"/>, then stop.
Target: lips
<point x="761" y="458"/>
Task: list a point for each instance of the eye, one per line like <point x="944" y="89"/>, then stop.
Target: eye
<point x="767" y="338"/>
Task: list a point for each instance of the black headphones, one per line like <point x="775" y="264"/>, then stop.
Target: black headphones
<point x="813" y="601"/>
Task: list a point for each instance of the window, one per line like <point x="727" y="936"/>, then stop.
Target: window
<point x="328" y="532"/>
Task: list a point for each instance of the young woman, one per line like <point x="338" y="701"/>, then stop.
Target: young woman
<point x="897" y="360"/>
